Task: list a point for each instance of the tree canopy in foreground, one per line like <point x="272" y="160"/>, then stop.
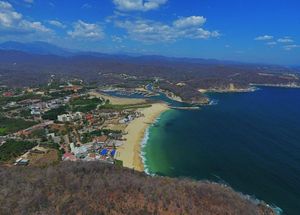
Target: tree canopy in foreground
<point x="96" y="188"/>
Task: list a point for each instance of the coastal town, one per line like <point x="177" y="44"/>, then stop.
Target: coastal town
<point x="149" y="107"/>
<point x="74" y="120"/>
<point x="71" y="121"/>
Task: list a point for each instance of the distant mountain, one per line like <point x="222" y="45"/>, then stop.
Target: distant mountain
<point x="38" y="47"/>
<point x="8" y="57"/>
<point x="44" y="48"/>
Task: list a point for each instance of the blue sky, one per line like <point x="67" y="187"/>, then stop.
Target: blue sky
<point x="241" y="30"/>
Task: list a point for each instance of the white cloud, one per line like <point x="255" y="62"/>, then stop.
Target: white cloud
<point x="56" y="23"/>
<point x="189" y="21"/>
<point x="8" y="17"/>
<point x="271" y="43"/>
<point x="290" y="47"/>
<point x="151" y="31"/>
<point x="83" y="30"/>
<point x="36" y="26"/>
<point x="264" y="37"/>
<point x="138" y="5"/>
<point x="12" y="21"/>
<point x="285" y="40"/>
<point x="5" y="5"/>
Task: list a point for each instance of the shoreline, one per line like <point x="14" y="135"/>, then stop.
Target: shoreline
<point x="130" y="151"/>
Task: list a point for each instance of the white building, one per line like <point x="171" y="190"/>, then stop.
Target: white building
<point x="69" y="117"/>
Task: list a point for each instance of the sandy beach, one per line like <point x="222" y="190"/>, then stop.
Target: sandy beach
<point x="129" y="152"/>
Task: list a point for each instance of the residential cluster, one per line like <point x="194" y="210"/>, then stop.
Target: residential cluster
<point x="65" y="117"/>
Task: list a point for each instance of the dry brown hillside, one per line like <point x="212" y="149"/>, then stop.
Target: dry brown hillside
<point x="95" y="188"/>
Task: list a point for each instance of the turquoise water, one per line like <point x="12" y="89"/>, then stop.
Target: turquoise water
<point x="250" y="141"/>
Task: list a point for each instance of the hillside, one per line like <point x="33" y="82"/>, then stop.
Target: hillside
<point x="95" y="188"/>
<point x="22" y="69"/>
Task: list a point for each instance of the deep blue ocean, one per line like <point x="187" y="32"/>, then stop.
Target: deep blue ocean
<point x="250" y="141"/>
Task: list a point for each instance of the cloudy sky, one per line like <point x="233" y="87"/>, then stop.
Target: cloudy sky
<point x="265" y="31"/>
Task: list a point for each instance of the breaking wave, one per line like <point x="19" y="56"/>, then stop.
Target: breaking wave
<point x="143" y="146"/>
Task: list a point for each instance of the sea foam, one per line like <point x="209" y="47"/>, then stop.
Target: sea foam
<point x="144" y="144"/>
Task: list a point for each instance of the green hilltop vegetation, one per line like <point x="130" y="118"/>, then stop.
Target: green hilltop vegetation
<point x="85" y="105"/>
<point x="97" y="188"/>
<point x="17" y="98"/>
<point x="52" y="114"/>
<point x="12" y="149"/>
<point x="11" y="125"/>
<point x="124" y="107"/>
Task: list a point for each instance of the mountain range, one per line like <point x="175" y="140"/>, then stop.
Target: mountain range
<point x="44" y="48"/>
<point x="37" y="47"/>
